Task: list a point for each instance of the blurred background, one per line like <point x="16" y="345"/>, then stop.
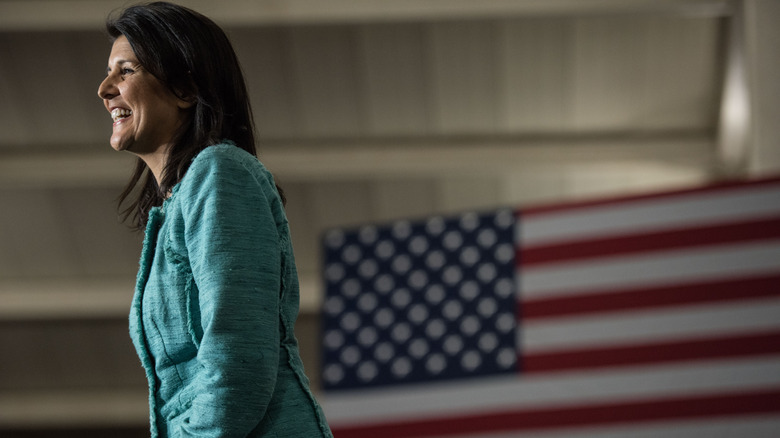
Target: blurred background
<point x="367" y="111"/>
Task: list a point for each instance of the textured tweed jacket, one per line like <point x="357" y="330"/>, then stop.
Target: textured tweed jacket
<point x="214" y="308"/>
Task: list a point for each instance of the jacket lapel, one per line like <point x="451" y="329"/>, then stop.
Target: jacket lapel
<point x="136" y="313"/>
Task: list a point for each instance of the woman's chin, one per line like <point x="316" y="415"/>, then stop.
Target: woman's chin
<point x="119" y="144"/>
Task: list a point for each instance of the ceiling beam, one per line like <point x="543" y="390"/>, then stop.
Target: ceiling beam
<point x="316" y="161"/>
<point x="50" y="15"/>
<point x="84" y="407"/>
<point x="78" y="299"/>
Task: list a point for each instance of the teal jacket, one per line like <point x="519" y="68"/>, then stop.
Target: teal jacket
<point x="215" y="304"/>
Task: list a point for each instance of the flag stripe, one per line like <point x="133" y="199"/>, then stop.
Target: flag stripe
<point x="653" y="241"/>
<point x="753" y="426"/>
<point x="547" y="390"/>
<point x="654" y="270"/>
<point x="653" y="297"/>
<point x="715" y="405"/>
<point x="721" y="190"/>
<point x="654" y="352"/>
<point x="646" y="216"/>
<point x="663" y="325"/>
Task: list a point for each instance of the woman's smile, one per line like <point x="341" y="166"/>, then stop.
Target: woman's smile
<point x="120" y="115"/>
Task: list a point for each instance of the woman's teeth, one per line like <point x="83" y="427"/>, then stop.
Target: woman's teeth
<point x="120" y="113"/>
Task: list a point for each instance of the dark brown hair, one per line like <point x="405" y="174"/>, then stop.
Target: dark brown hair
<point x="194" y="58"/>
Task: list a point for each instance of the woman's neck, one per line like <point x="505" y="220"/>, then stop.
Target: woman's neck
<point x="155" y="161"/>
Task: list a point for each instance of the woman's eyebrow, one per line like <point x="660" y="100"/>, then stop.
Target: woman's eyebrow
<point x="118" y="62"/>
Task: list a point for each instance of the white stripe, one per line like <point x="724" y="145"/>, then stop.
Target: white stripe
<point x="649" y="269"/>
<point x="652" y="214"/>
<point x="754" y="426"/>
<point x="541" y="390"/>
<point x="650" y="325"/>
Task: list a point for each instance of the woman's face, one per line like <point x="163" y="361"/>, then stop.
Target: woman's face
<point x="145" y="112"/>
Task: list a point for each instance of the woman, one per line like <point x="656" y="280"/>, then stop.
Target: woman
<point x="217" y="290"/>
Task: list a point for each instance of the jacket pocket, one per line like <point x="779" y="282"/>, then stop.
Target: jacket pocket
<point x="194" y="326"/>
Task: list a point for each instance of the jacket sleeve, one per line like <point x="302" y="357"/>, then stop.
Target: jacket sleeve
<point x="233" y="247"/>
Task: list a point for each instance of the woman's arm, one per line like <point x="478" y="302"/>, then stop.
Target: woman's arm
<point x="234" y="253"/>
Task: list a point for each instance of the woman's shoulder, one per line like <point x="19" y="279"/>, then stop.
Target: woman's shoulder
<point x="227" y="154"/>
<point x="227" y="158"/>
<point x="217" y="164"/>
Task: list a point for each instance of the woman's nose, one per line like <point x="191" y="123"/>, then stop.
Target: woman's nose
<point x="107" y="88"/>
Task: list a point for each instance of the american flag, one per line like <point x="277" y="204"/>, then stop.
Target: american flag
<point x="648" y="316"/>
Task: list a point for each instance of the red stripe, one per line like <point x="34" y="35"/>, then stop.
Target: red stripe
<point x="653" y="241"/>
<point x="690" y="293"/>
<point x="657" y="352"/>
<point x="654" y="410"/>
<point x="725" y="187"/>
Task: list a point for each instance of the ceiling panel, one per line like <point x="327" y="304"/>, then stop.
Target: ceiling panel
<point x="50" y="96"/>
<point x="395" y="83"/>
<point x="640" y="73"/>
<point x="65" y="233"/>
<point x="684" y="64"/>
<point x="609" y="72"/>
<point x="464" y="78"/>
<point x="34" y="241"/>
<point x="325" y="75"/>
<point x="537" y="79"/>
<point x="265" y="56"/>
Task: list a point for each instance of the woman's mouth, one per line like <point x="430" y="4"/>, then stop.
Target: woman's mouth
<point x="118" y="114"/>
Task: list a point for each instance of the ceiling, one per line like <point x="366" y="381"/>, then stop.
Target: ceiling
<point x="383" y="109"/>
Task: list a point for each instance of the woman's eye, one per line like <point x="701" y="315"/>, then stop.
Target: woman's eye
<point x="127" y="71"/>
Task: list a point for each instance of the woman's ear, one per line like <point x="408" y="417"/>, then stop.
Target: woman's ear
<point x="186" y="97"/>
<point x="185" y="102"/>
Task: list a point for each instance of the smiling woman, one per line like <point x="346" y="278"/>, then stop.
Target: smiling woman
<point x="146" y="114"/>
<point x="217" y="295"/>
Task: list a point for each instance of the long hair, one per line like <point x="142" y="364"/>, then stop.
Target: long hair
<point x="193" y="57"/>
